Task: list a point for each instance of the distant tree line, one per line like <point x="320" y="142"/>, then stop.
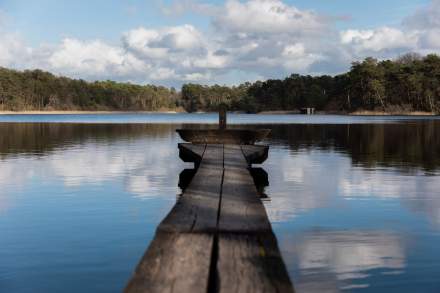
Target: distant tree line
<point x="410" y="83"/>
<point x="39" y="90"/>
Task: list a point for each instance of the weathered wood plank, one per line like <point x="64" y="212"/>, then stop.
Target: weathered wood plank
<point x="251" y="263"/>
<point x="248" y="255"/>
<point x="174" y="263"/>
<point x="233" y="157"/>
<point x="217" y="237"/>
<point x="241" y="208"/>
<point x="255" y="154"/>
<point x="213" y="155"/>
<point x="197" y="209"/>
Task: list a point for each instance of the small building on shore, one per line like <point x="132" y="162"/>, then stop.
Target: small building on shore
<point x="308" y="111"/>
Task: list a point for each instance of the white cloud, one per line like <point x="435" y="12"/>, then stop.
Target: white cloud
<point x="268" y="41"/>
<point x="430" y="39"/>
<point x="94" y="58"/>
<point x="265" y="38"/>
<point x="417" y="33"/>
<point x="138" y="41"/>
<point x="152" y="43"/>
<point x="296" y="58"/>
<point x="174" y="53"/>
<point x="267" y="17"/>
<point x="270" y="37"/>
<point x="381" y="39"/>
<point x="211" y="60"/>
<point x="197" y="77"/>
<point x="12" y="49"/>
<point x="426" y="23"/>
<point x="162" y="73"/>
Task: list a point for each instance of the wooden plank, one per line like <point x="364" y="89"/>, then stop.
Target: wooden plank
<point x="251" y="263"/>
<point x="174" y="263"/>
<point x="233" y="157"/>
<point x="255" y="154"/>
<point x="196" y="211"/>
<point x="213" y="155"/>
<point x="241" y="208"/>
<point x="217" y="237"/>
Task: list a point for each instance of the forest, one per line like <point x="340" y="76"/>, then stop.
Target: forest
<point x="408" y="83"/>
<point x="38" y="90"/>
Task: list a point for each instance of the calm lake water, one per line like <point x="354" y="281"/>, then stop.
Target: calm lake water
<point x="354" y="201"/>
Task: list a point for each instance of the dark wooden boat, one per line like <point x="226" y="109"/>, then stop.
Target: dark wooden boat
<point x="223" y="136"/>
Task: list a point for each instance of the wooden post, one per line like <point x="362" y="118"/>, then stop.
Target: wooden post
<point x="222" y="117"/>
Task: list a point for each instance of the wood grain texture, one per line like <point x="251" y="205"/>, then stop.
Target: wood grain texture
<point x="217" y="238"/>
<point x="241" y="208"/>
<point x="251" y="264"/>
<point x="174" y="263"/>
<point x="197" y="209"/>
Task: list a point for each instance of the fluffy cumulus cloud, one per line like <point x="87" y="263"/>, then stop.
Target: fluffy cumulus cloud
<point x="269" y="36"/>
<point x="419" y="32"/>
<point x="158" y="44"/>
<point x="264" y="38"/>
<point x="426" y="23"/>
<point x="11" y="48"/>
<point x="381" y="39"/>
<point x="97" y="58"/>
<point x="180" y="53"/>
<point x="267" y="17"/>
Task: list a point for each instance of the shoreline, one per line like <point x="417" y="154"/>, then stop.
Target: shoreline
<point x="381" y="113"/>
<point x="73" y="112"/>
<point x="355" y="113"/>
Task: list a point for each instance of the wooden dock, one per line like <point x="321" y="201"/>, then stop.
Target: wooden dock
<point x="217" y="238"/>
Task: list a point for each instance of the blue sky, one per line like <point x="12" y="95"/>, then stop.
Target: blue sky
<point x="51" y="20"/>
<point x="43" y="29"/>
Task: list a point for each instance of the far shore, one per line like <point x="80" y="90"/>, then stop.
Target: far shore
<point x="356" y="113"/>
<point x="381" y="113"/>
<point x="81" y="112"/>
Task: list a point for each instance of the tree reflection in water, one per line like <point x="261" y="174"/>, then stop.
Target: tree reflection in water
<point x="354" y="206"/>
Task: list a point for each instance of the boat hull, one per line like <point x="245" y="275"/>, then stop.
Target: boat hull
<point x="223" y="136"/>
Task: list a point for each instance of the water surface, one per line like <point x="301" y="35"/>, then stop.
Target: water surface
<point x="354" y="201"/>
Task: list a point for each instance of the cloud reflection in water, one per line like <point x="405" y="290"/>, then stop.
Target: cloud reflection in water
<point x="345" y="259"/>
<point x="344" y="206"/>
<point x="307" y="180"/>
